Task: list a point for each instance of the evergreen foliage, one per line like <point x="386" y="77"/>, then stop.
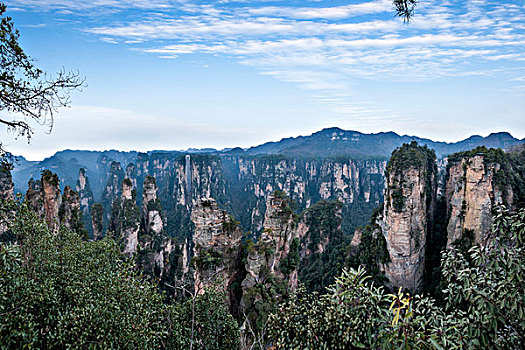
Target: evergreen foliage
<point x="317" y="270"/>
<point x="58" y="291"/>
<point x="483" y="297"/>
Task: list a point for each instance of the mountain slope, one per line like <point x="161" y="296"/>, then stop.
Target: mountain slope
<point x="333" y="142"/>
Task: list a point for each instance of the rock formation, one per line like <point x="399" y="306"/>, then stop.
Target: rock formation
<point x="113" y="187"/>
<point x="474" y="187"/>
<point x="97" y="220"/>
<point x="34" y="197"/>
<point x="52" y="199"/>
<point x="70" y="214"/>
<point x="217" y="243"/>
<point x="276" y="253"/>
<point x="410" y="195"/>
<point x="155" y="246"/>
<point x="6" y="182"/>
<point x="85" y="197"/>
<point x="151" y="208"/>
<point x="6" y="193"/>
<point x="125" y="218"/>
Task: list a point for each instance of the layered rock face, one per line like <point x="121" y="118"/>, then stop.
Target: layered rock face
<point x="125" y="218"/>
<point x="304" y="181"/>
<point x="155" y="246"/>
<point x="86" y="199"/>
<point x="472" y="192"/>
<point x="272" y="254"/>
<point x="410" y="195"/>
<point x="52" y="199"/>
<point x="44" y="198"/>
<point x="112" y="190"/>
<point x="70" y="214"/>
<point x="217" y="245"/>
<point x="151" y="208"/>
<point x="84" y="192"/>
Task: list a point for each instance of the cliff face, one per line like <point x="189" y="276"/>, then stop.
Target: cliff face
<point x="112" y="190"/>
<point x="86" y="199"/>
<point x="6" y="182"/>
<point x="472" y="192"/>
<point x="125" y="218"/>
<point x="276" y="254"/>
<point x="70" y="214"/>
<point x="217" y="245"/>
<point x="34" y="197"/>
<point x="6" y="193"/>
<point x="155" y="247"/>
<point x="304" y="181"/>
<point x="52" y="199"/>
<point x="97" y="220"/>
<point x="151" y="208"/>
<point x="410" y="195"/>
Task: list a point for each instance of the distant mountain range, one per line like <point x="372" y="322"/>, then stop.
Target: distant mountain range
<point x="330" y="142"/>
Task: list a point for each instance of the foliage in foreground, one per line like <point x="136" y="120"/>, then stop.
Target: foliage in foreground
<point x="58" y="291"/>
<point x="484" y="305"/>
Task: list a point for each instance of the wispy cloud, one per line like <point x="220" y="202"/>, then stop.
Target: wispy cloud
<point x="322" y="48"/>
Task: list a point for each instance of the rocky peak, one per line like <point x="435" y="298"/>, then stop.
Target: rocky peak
<point x="112" y="189"/>
<point x="34" y="196"/>
<point x="151" y="208"/>
<point x="127" y="189"/>
<point x="52" y="198"/>
<point x="6" y="181"/>
<point x="70" y="214"/>
<point x="275" y="255"/>
<point x="97" y="220"/>
<point x="125" y="218"/>
<point x="476" y="183"/>
<point x="410" y="195"/>
<point x="216" y="239"/>
<point x="85" y="196"/>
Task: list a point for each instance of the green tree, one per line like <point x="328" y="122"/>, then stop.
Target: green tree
<point x="484" y="297"/>
<point x="486" y="285"/>
<point x="59" y="291"/>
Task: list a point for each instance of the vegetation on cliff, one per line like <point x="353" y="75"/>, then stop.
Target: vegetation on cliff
<point x="483" y="305"/>
<point x="59" y="291"/>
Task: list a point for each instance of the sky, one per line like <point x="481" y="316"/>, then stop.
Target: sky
<point x="178" y="74"/>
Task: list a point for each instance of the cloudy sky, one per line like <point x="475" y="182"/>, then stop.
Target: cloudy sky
<point x="174" y="74"/>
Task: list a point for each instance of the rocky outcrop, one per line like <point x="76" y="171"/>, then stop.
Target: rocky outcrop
<point x="69" y="214"/>
<point x="155" y="246"/>
<point x="86" y="199"/>
<point x="6" y="182"/>
<point x="112" y="189"/>
<point x="303" y="181"/>
<point x="473" y="189"/>
<point x="410" y="195"/>
<point x="84" y="192"/>
<point x="97" y="220"/>
<point x="151" y="208"/>
<point x="52" y="199"/>
<point x="34" y="197"/>
<point x="217" y="245"/>
<point x="125" y="218"/>
<point x="6" y="193"/>
<point x="276" y="253"/>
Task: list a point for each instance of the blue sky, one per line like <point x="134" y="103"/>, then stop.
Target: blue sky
<point x="174" y="74"/>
